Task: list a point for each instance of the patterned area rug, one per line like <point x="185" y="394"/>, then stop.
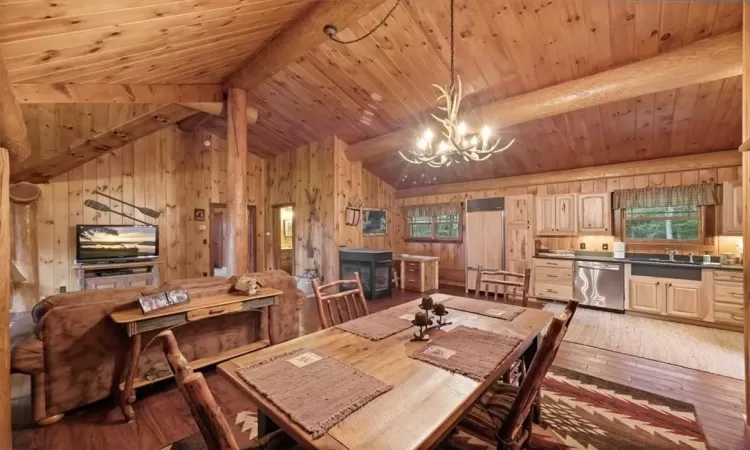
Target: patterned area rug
<point x="578" y="412"/>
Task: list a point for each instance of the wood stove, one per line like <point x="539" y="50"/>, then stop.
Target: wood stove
<point x="374" y="267"/>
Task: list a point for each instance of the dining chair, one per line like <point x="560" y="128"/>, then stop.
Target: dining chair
<point x="489" y="277"/>
<point x="211" y="422"/>
<point x="337" y="308"/>
<point x="503" y="414"/>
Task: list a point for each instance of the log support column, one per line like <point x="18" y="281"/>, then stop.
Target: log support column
<point x="5" y="283"/>
<point x="237" y="239"/>
<point x="25" y="254"/>
<point x="746" y="195"/>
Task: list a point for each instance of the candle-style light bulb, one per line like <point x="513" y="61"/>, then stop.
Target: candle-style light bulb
<point x="461" y="128"/>
<point x="486" y="132"/>
<point x="428" y="135"/>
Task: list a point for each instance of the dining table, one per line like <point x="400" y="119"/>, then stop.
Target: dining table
<point x="426" y="401"/>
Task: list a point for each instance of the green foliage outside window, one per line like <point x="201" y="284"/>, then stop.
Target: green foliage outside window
<point x="662" y="223"/>
<point x="445" y="227"/>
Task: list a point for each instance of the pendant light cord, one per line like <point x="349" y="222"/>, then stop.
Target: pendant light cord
<point x="380" y="24"/>
<point x="453" y="75"/>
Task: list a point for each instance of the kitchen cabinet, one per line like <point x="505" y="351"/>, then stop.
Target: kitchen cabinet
<point x="731" y="208"/>
<point x="417" y="273"/>
<point x="556" y="214"/>
<point x="726" y="289"/>
<point x="646" y="295"/>
<point x="594" y="213"/>
<point x="552" y="279"/>
<point x="518" y="209"/>
<point x="684" y="299"/>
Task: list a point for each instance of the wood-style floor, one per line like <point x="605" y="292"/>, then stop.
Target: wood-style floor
<point x="163" y="417"/>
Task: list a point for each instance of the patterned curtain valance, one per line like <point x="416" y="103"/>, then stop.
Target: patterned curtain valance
<point x="437" y="209"/>
<point x="694" y="194"/>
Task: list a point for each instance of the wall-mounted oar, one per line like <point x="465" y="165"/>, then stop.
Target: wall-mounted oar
<point x="146" y="211"/>
<point x="93" y="204"/>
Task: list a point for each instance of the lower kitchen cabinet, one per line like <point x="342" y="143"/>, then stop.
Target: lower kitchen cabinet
<point x="646" y="295"/>
<point x="684" y="299"/>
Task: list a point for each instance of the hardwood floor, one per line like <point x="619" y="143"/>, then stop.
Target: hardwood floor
<point x="163" y="417"/>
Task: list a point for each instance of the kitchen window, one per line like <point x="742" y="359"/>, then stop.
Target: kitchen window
<point x="663" y="224"/>
<point x="434" y="223"/>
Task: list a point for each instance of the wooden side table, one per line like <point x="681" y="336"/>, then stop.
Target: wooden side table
<point x="136" y="322"/>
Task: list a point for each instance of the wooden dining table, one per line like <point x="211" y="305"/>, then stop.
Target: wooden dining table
<point x="426" y="401"/>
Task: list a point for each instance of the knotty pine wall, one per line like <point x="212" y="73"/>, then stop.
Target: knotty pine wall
<point x="323" y="165"/>
<point x="453" y="257"/>
<point x="169" y="171"/>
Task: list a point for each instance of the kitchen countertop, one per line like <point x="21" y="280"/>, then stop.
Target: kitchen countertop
<point x="638" y="260"/>
<point x="415" y="258"/>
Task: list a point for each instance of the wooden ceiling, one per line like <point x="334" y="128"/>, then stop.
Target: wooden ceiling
<point x="384" y="82"/>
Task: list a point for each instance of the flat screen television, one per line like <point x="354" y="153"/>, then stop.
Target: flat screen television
<point x="99" y="243"/>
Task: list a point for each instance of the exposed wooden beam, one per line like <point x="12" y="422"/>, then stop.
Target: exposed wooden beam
<point x="5" y="284"/>
<point x="219" y="109"/>
<point x="708" y="60"/>
<point x="118" y="93"/>
<point x="13" y="134"/>
<point x="218" y="126"/>
<point x="85" y="150"/>
<point x="237" y="238"/>
<point x="304" y="34"/>
<point x="728" y="158"/>
<point x="193" y="122"/>
<point x="746" y="196"/>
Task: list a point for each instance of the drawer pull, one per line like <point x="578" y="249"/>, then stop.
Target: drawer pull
<point x="212" y="312"/>
<point x="551" y="276"/>
<point x="552" y="291"/>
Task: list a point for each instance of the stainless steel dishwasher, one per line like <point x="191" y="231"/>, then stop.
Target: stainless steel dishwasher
<point x="600" y="285"/>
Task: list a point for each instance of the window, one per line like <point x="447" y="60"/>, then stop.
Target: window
<point x="663" y="223"/>
<point x="434" y="228"/>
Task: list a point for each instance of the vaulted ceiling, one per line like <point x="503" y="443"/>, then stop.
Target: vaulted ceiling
<point x="384" y="82"/>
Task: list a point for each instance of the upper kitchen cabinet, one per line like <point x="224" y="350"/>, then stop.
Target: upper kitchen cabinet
<point x="518" y="209"/>
<point x="556" y="215"/>
<point x="594" y="214"/>
<point x="731" y="208"/>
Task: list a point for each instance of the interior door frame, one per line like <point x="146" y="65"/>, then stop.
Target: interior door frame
<point x="276" y="235"/>
<point x="252" y="226"/>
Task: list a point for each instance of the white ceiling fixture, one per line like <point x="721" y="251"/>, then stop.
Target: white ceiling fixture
<point x="456" y="141"/>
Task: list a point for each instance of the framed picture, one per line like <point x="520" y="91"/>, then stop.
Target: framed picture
<point x="161" y="300"/>
<point x="287" y="227"/>
<point x="199" y="214"/>
<point x="374" y="222"/>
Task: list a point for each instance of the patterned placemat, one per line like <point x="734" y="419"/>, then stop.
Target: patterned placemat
<point x="484" y="307"/>
<point x="469" y="351"/>
<point x="315" y="391"/>
<point x="379" y="325"/>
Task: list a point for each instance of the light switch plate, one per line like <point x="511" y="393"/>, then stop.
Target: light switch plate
<point x="582" y="246"/>
<point x="605" y="246"/>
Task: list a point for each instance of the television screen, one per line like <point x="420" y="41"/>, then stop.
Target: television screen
<point x="107" y="242"/>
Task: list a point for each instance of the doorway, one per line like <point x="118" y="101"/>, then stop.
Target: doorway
<point x="218" y="229"/>
<point x="283" y="237"/>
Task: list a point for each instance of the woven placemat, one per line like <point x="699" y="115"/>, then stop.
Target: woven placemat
<point x="469" y="351"/>
<point x="315" y="391"/>
<point x="379" y="325"/>
<point x="484" y="307"/>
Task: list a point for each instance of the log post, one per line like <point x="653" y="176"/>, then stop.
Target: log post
<point x="5" y="283"/>
<point x="25" y="250"/>
<point x="13" y="134"/>
<point x="237" y="239"/>
<point x="746" y="195"/>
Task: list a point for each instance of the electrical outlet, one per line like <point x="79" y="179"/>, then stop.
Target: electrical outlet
<point x="205" y="274"/>
<point x="205" y="241"/>
<point x="582" y="246"/>
<point x="62" y="289"/>
<point x="605" y="246"/>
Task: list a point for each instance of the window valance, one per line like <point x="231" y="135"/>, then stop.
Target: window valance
<point x="694" y="194"/>
<point x="437" y="209"/>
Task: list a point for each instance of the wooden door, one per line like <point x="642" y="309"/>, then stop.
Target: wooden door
<point x="216" y="228"/>
<point x="518" y="209"/>
<point x="484" y="242"/>
<point x="545" y="214"/>
<point x="646" y="295"/>
<point x="518" y="244"/>
<point x="732" y="208"/>
<point x="594" y="214"/>
<point x="684" y="299"/>
<point x="565" y="214"/>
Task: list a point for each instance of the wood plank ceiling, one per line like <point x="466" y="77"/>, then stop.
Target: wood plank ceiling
<point x="359" y="91"/>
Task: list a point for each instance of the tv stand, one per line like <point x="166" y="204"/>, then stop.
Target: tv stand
<point x="117" y="274"/>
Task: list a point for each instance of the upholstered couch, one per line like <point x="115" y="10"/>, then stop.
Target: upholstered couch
<point x="78" y="353"/>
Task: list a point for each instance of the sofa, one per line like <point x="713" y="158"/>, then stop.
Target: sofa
<point x="78" y="353"/>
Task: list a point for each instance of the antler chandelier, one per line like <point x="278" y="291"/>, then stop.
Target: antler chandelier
<point x="457" y="141"/>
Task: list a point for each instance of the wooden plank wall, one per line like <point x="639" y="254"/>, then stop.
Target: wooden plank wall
<point x="323" y="165"/>
<point x="453" y="256"/>
<point x="170" y="171"/>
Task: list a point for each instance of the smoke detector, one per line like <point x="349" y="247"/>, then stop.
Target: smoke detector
<point x="330" y="30"/>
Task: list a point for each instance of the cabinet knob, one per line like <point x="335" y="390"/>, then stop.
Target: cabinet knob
<point x="658" y="282"/>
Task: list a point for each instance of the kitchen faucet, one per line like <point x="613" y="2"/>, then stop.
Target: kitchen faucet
<point x="671" y="252"/>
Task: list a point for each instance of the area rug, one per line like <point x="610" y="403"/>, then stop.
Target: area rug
<point x="700" y="348"/>
<point x="583" y="412"/>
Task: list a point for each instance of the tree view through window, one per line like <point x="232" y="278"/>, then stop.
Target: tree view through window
<point x="446" y="227"/>
<point x="662" y="223"/>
